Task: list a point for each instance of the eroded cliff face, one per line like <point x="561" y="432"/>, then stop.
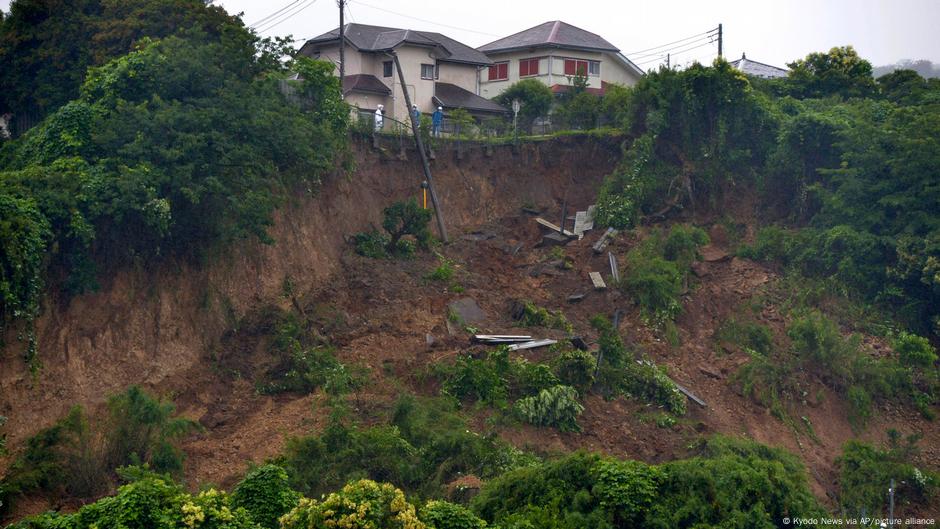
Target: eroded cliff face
<point x="151" y="324"/>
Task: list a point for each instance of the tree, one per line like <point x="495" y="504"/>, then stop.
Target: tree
<point x="363" y="504"/>
<point x="266" y="494"/>
<point x="839" y="72"/>
<point x="535" y="97"/>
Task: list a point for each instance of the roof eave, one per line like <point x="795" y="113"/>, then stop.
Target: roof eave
<point x="548" y="45"/>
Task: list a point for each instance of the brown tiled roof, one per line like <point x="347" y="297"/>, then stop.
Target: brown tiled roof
<point x="452" y="96"/>
<point x="362" y="82"/>
<point x="556" y="34"/>
<point x="379" y="38"/>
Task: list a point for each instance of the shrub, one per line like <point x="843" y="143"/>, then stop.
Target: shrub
<point x="750" y="335"/>
<point x="303" y="365"/>
<point x="626" y="489"/>
<point x="557" y="406"/>
<point x="536" y="99"/>
<point x="535" y="316"/>
<point x="266" y="494"/>
<point x="576" y="368"/>
<point x="439" y="514"/>
<point x="611" y="350"/>
<point x="371" y="244"/>
<point x="363" y="504"/>
<point x="406" y="218"/>
<point x="655" y="285"/>
<point x="681" y="244"/>
<point x="444" y="271"/>
<point x="485" y="380"/>
<point x="649" y="382"/>
<point x="914" y="351"/>
<point x="865" y="474"/>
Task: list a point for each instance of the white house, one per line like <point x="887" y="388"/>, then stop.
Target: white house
<point x="555" y="53"/>
<point x="438" y="70"/>
<point x="758" y="69"/>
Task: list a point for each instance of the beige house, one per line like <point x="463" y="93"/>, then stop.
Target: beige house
<point x="555" y="53"/>
<point x="438" y="70"/>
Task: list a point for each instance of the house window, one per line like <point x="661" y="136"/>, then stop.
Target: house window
<point x="528" y="67"/>
<point x="387" y="69"/>
<point x="499" y="71"/>
<point x="427" y="71"/>
<point x="578" y="67"/>
<point x="594" y="68"/>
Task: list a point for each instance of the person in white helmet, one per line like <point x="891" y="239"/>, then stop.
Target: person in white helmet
<point x="437" y="120"/>
<point x="379" y="117"/>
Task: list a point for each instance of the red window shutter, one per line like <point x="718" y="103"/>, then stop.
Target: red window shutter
<point x="504" y="70"/>
<point x="534" y="67"/>
<point x="582" y="68"/>
<point x="494" y="73"/>
<point x="571" y="67"/>
<point x="523" y="68"/>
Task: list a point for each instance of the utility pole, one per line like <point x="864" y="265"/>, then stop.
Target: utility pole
<point x="668" y="65"/>
<point x="420" y="144"/>
<point x="342" y="47"/>
<point x="720" y="40"/>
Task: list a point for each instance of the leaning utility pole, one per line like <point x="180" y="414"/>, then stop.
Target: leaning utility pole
<point x="342" y="47"/>
<point x="720" y="40"/>
<point x="420" y="144"/>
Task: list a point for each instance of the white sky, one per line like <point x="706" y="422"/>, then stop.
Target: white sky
<point x="775" y="32"/>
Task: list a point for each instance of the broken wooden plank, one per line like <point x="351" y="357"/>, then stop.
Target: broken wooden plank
<point x="499" y="339"/>
<point x="532" y="345"/>
<point x="597" y="280"/>
<point x="689" y="394"/>
<point x="604" y="240"/>
<point x="584" y="221"/>
<point x="614" y="271"/>
<point x="553" y="227"/>
<point x="574" y="298"/>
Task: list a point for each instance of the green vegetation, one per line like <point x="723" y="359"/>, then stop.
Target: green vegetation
<point x="401" y="219"/>
<point x="72" y="457"/>
<point x="495" y="378"/>
<point x="866" y="473"/>
<point x="266" y="495"/>
<point x="657" y="271"/>
<point x="556" y="406"/>
<point x="180" y="145"/>
<point x="731" y="484"/>
<point x="424" y="445"/>
<point x="535" y="97"/>
<point x="532" y="315"/>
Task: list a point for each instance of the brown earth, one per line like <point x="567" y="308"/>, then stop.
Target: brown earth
<point x="192" y="332"/>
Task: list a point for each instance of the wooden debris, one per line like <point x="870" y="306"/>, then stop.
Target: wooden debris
<point x="532" y="344"/>
<point x="614" y="271"/>
<point x="554" y="239"/>
<point x="574" y="298"/>
<point x="553" y="227"/>
<point x="597" y="280"/>
<point x="584" y="221"/>
<point x="604" y="240"/>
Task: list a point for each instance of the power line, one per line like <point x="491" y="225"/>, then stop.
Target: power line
<point x="660" y="52"/>
<point x="671" y="43"/>
<point x="287" y="16"/>
<point x="265" y="19"/>
<point x="681" y="51"/>
<point x="424" y="20"/>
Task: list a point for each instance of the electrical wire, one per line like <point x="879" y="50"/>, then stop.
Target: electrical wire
<point x="272" y="15"/>
<point x="681" y="46"/>
<point x="300" y="8"/>
<point x="671" y="43"/>
<point x="422" y="19"/>
<point x="680" y="52"/>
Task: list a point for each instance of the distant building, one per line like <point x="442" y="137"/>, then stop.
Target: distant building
<point x="438" y="70"/>
<point x="555" y="53"/>
<point x="759" y="69"/>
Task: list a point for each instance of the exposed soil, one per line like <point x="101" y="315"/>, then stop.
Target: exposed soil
<point x="199" y="333"/>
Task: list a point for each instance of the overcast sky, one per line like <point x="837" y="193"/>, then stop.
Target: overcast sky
<point x="775" y="32"/>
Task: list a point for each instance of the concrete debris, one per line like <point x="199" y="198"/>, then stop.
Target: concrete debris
<point x="554" y="239"/>
<point x="532" y="344"/>
<point x="584" y="221"/>
<point x="466" y="312"/>
<point x="501" y="338"/>
<point x="597" y="280"/>
<point x="614" y="270"/>
<point x="604" y="240"/>
<point x="574" y="298"/>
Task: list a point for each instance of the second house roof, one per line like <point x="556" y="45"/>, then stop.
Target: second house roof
<point x="556" y="34"/>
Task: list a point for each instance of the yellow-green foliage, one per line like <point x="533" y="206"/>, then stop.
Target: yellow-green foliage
<point x="363" y="504"/>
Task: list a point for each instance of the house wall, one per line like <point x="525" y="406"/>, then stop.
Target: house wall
<point x="462" y="75"/>
<point x="552" y="69"/>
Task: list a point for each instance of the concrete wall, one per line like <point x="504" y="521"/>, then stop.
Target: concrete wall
<point x="552" y="69"/>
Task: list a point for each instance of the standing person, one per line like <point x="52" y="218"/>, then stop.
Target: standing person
<point x="437" y="120"/>
<point x="379" y="118"/>
<point x="417" y="114"/>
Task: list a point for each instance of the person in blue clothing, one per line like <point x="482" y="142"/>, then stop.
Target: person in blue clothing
<point x="417" y="114"/>
<point x="437" y="120"/>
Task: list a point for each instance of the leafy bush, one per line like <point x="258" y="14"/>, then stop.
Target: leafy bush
<point x="533" y="315"/>
<point x="444" y="271"/>
<point x="866" y="473"/>
<point x="437" y="514"/>
<point x="536" y="99"/>
<point x="649" y="382"/>
<point x="304" y="364"/>
<point x="401" y="219"/>
<point x="363" y="504"/>
<point x="371" y="244"/>
<point x="576" y="368"/>
<point x="266" y="495"/>
<point x="495" y="378"/>
<point x="556" y="406"/>
<point x="914" y="351"/>
<point x="70" y="458"/>
<point x="626" y="489"/>
<point x="750" y="335"/>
